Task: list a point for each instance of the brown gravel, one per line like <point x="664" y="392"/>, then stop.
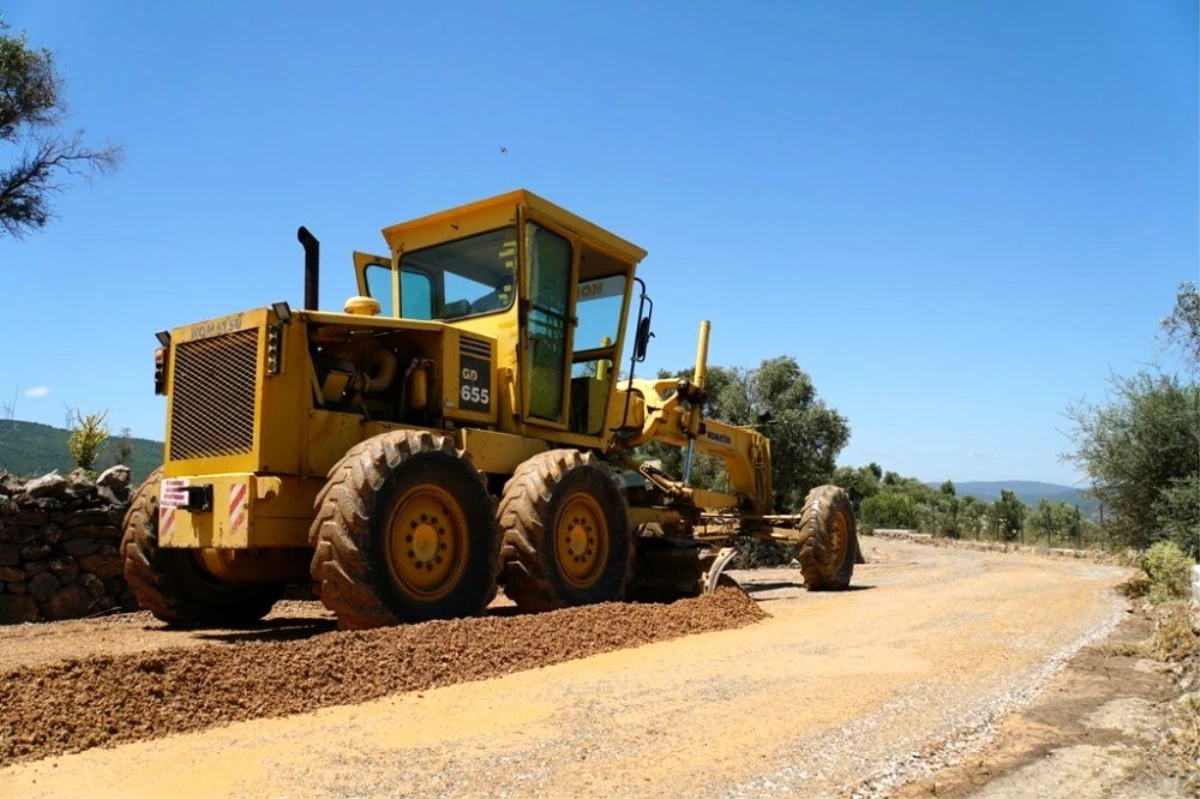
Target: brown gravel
<point x="74" y="705"/>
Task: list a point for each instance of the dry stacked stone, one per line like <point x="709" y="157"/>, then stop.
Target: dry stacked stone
<point x="60" y="546"/>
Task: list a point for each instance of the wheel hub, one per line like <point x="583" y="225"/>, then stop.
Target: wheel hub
<point x="581" y="541"/>
<point x="428" y="542"/>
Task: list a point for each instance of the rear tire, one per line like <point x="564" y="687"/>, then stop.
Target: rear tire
<point x="828" y="539"/>
<point x="405" y="532"/>
<point x="171" y="583"/>
<point x="566" y="533"/>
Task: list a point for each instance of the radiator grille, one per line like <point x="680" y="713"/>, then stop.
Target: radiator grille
<point x="212" y="410"/>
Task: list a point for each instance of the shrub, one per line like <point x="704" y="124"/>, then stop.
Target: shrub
<point x="1167" y="569"/>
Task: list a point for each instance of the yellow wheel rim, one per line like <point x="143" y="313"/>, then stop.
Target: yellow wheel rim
<point x="841" y="536"/>
<point x="428" y="542"/>
<point x="581" y="541"/>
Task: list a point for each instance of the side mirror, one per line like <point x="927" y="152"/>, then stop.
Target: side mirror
<point x="643" y="340"/>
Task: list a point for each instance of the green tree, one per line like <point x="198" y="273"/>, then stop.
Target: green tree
<point x="859" y="483"/>
<point x="947" y="488"/>
<point x="1142" y="453"/>
<point x="1008" y="514"/>
<point x="778" y="399"/>
<point x="32" y="110"/>
<point x="88" y="436"/>
<point x="1182" y="327"/>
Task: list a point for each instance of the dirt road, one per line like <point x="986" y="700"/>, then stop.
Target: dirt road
<point x="832" y="694"/>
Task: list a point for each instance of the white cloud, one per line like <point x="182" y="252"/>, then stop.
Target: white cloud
<point x="37" y="392"/>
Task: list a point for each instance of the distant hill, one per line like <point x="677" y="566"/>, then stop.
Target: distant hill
<point x="29" y="449"/>
<point x="1029" y="491"/>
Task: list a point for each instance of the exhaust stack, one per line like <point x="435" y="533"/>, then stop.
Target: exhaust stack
<point x="312" y="267"/>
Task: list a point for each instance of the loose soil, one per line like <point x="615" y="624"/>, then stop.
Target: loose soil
<point x="1100" y="729"/>
<point x="104" y="700"/>
<point x="831" y="694"/>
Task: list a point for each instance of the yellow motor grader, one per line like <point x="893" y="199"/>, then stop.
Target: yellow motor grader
<point x="459" y="426"/>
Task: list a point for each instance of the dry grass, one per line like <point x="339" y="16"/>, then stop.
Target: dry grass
<point x="1173" y="638"/>
<point x="1176" y="639"/>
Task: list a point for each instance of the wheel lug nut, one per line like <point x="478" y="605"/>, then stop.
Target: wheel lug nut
<point x="412" y="554"/>
<point x="408" y="538"/>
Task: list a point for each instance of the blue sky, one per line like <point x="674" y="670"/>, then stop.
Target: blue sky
<point x="956" y="216"/>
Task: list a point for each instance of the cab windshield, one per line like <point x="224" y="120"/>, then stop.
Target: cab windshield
<point x="468" y="277"/>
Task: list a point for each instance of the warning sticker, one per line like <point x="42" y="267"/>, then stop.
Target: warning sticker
<point x="173" y="494"/>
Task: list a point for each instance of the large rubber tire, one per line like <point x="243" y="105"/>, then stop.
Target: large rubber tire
<point x="665" y="571"/>
<point x="531" y="511"/>
<point x="828" y="539"/>
<point x="359" y="560"/>
<point x="171" y="583"/>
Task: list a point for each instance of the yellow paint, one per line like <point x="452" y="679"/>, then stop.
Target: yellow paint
<point x="301" y="428"/>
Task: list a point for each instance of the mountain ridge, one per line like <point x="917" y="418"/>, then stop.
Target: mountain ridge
<point x="31" y="449"/>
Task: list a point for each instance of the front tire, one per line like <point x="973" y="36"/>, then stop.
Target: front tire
<point x="405" y="532"/>
<point x="171" y="583"/>
<point x="566" y="533"/>
<point x="828" y="539"/>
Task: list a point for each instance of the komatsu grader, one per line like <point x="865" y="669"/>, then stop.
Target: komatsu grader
<point x="459" y="427"/>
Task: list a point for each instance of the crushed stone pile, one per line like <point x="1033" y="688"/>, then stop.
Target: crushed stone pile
<point x="73" y="705"/>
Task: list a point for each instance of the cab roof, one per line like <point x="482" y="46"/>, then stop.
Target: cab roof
<point x="540" y="207"/>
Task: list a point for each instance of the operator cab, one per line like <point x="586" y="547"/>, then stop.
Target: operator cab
<point x="553" y="289"/>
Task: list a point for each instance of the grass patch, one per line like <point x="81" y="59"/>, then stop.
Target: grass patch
<point x="1173" y="639"/>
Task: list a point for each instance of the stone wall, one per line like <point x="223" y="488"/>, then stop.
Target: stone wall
<point x="60" y="546"/>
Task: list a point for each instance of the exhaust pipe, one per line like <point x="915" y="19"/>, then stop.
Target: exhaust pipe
<point x="312" y="267"/>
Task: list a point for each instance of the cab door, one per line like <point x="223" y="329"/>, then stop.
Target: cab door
<point x="549" y="266"/>
<point x="376" y="279"/>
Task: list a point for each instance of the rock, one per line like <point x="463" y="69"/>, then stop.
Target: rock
<point x="103" y="566"/>
<point x="51" y="533"/>
<point x="88" y="518"/>
<point x="71" y="602"/>
<point x="36" y="567"/>
<point x="33" y="517"/>
<point x="43" y="585"/>
<point x="92" y="584"/>
<point x="78" y="547"/>
<point x="15" y="609"/>
<point x="50" y="485"/>
<point x="10" y="554"/>
<point x="110" y="496"/>
<point x="8" y="507"/>
<point x="16" y="588"/>
<point x="115" y="478"/>
<point x="65" y="570"/>
<point x="19" y="535"/>
<point x="35" y="552"/>
<point x="9" y="484"/>
<point x="9" y="574"/>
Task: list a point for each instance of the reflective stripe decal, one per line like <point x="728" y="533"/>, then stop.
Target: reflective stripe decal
<point x="237" y="507"/>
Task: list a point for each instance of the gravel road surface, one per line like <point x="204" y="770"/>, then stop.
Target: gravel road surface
<point x="832" y="694"/>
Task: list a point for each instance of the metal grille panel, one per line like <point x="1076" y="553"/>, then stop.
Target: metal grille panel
<point x="212" y="411"/>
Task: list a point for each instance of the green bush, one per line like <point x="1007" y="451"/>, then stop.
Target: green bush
<point x="1167" y="568"/>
